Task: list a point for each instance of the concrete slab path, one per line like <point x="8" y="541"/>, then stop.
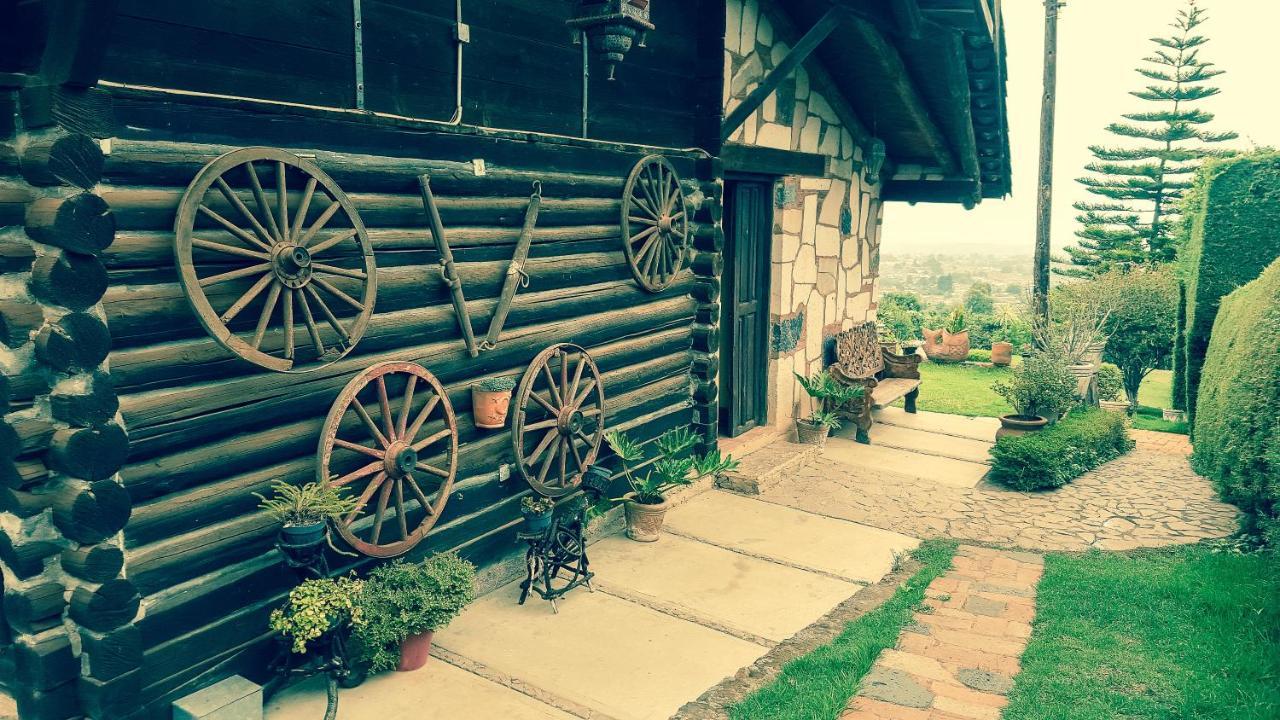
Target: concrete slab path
<point x="974" y="428"/>
<point x="894" y="463"/>
<point x="931" y="443"/>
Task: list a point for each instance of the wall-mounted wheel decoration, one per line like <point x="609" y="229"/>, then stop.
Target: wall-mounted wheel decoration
<point x="255" y="263"/>
<point x="655" y="223"/>
<point x="559" y="419"/>
<point x="392" y="437"/>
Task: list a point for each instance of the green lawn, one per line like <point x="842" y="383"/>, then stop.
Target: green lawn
<point x="1175" y="634"/>
<point x="1157" y="389"/>
<point x="819" y="684"/>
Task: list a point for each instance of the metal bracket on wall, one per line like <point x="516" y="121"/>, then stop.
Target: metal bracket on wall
<point x="358" y="24"/>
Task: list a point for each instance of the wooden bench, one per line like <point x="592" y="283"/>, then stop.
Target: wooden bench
<point x="884" y="376"/>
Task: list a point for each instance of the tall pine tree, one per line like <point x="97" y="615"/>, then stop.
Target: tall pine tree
<point x="1140" y="186"/>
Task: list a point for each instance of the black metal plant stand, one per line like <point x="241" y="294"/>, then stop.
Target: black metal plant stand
<point x="556" y="561"/>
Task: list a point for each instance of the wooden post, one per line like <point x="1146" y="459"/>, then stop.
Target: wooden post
<point x="1044" y="198"/>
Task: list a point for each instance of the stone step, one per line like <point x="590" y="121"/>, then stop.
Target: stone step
<point x="974" y="428"/>
<point x="904" y="463"/>
<point x="609" y="656"/>
<point x="931" y="443"/>
<point x="792" y="537"/>
<point x="716" y="587"/>
<point x="765" y="466"/>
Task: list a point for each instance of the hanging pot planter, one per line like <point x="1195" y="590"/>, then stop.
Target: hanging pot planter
<point x="537" y="512"/>
<point x="490" y="400"/>
<point x="304" y="535"/>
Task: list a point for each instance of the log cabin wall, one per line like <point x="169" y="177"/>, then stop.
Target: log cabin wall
<point x="132" y="581"/>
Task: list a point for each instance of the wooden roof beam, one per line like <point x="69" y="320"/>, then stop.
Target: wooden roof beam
<point x="784" y="69"/>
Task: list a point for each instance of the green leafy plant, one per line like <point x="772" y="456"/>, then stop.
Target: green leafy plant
<point x="316" y="607"/>
<point x="1042" y="385"/>
<point x="1110" y="382"/>
<point x="674" y="465"/>
<point x="305" y="504"/>
<point x="403" y="599"/>
<point x="500" y="383"/>
<point x="1055" y="456"/>
<point x="956" y="321"/>
<point x="536" y="505"/>
<point x="827" y="393"/>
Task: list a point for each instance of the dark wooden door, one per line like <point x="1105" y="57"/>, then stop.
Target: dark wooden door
<point x="744" y="327"/>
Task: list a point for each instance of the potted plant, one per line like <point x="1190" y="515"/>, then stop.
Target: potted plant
<point x="404" y="603"/>
<point x="1001" y="348"/>
<point x="490" y="399"/>
<point x="316" y="607"/>
<point x="955" y="334"/>
<point x="1040" y="390"/>
<point x="646" y="505"/>
<point x="888" y="340"/>
<point x="304" y="509"/>
<point x="826" y="393"/>
<point x="536" y="511"/>
<point x="1111" y="388"/>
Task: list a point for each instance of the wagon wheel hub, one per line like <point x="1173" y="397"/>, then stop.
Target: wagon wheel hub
<point x="571" y="421"/>
<point x="292" y="265"/>
<point x="401" y="458"/>
<point x="664" y="223"/>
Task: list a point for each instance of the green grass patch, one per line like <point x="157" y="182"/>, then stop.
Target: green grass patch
<point x="961" y="390"/>
<point x="817" y="686"/>
<point x="1157" y="389"/>
<point x="1173" y="634"/>
<point x="1159" y="424"/>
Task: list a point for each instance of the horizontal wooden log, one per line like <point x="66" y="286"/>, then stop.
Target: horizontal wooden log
<point x="149" y="208"/>
<point x="227" y="629"/>
<point x="69" y="279"/>
<point x="92" y="512"/>
<point x="25" y="557"/>
<point x="706" y="338"/>
<point x="23" y="504"/>
<point x="91" y="401"/>
<point x="92" y="453"/>
<point x="57" y="703"/>
<point x="16" y="254"/>
<point x="115" y="698"/>
<point x="706" y="290"/>
<point x="708" y="238"/>
<point x="35" y="608"/>
<point x="26" y="385"/>
<point x="93" y="563"/>
<point x="31" y="434"/>
<point x="23" y="473"/>
<point x="14" y="197"/>
<point x="182" y="607"/>
<point x="113" y="653"/>
<point x="59" y="158"/>
<point x="86" y="110"/>
<point x="81" y="223"/>
<point x="18" y="320"/>
<point x="112" y="604"/>
<point x="174" y="163"/>
<point x="44" y="661"/>
<point x="77" y="341"/>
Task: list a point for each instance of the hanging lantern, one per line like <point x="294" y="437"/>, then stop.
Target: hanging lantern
<point x="874" y="160"/>
<point x="611" y="27"/>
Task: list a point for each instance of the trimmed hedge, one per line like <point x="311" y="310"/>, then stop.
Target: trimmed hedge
<point x="1060" y="453"/>
<point x="1233" y="222"/>
<point x="1237" y="424"/>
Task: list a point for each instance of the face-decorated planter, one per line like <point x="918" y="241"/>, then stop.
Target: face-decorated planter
<point x="489" y="407"/>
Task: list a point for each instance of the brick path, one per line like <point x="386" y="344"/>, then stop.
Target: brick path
<point x="957" y="660"/>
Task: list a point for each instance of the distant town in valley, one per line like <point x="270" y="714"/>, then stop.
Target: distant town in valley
<point x="942" y="278"/>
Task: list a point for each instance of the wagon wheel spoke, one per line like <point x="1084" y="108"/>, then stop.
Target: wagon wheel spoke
<point x="542" y="446"/>
<point x="642" y="220"/>
<point x="263" y="207"/>
<point x="428" y="467"/>
<point x="581" y="398"/>
<point x="542" y="424"/>
<point x="328" y="314"/>
<point x="288" y="324"/>
<point x="546" y="405"/>
<point x="340" y="271"/>
<point x="673" y="192"/>
<point x="431" y="439"/>
<point x="312" y="329"/>
<point x="400" y="518"/>
<point x="577" y="378"/>
<point x="244" y="210"/>
<point x="551" y="386"/>
<point x="243" y="301"/>
<point x="332" y="240"/>
<point x="333" y="290"/>
<point x="417" y="493"/>
<point x="384" y="405"/>
<point x="357" y="447"/>
<point x="232" y="228"/>
<point x="369" y="424"/>
<point x="577" y="456"/>
<point x="563" y="454"/>
<point x="383" y="497"/>
<point x="316" y="226"/>
<point x="649" y="244"/>
<point x="358" y="473"/>
<point x="363" y="500"/>
<point x="300" y="217"/>
<point x="247" y="271"/>
<point x="282" y="201"/>
<point x="264" y="319"/>
<point x="546" y="463"/>
<point x="422" y="417"/>
<point x="402" y="422"/>
<point x="228" y="249"/>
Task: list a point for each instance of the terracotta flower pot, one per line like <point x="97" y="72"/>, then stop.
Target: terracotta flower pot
<point x="644" y="522"/>
<point x="414" y="651"/>
<point x="1013" y="425"/>
<point x="1001" y="353"/>
<point x="942" y="346"/>
<point x="812" y="433"/>
<point x="489" y="407"/>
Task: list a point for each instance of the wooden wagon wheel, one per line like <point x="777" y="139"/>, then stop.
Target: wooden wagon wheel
<point x="559" y="419"/>
<point x="263" y="250"/>
<point x="405" y="460"/>
<point x="655" y="223"/>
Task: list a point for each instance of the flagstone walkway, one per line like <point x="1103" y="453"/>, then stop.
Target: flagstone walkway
<point x="958" y="658"/>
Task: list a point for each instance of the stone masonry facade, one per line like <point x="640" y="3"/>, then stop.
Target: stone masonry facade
<point x="826" y="235"/>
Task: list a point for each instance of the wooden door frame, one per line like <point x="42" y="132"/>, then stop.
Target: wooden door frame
<point x="728" y="298"/>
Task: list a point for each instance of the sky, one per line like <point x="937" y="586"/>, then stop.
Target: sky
<point x="1099" y="44"/>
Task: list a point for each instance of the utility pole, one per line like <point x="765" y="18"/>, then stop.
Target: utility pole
<point x="1044" y="197"/>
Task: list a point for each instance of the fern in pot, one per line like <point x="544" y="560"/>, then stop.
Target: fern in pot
<point x="826" y="393"/>
<point x="676" y="465"/>
<point x="303" y="510"/>
<point x="404" y="603"/>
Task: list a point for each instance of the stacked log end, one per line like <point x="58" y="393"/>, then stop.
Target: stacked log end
<point x="708" y="245"/>
<point x="70" y="610"/>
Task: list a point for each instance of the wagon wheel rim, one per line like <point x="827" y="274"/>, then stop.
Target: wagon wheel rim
<point x="655" y="223"/>
<point x="269" y="278"/>
<point x="388" y="445"/>
<point x="559" y="419"/>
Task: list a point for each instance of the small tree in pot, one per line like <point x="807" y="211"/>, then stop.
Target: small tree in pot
<point x="676" y="465"/>
<point x="826" y="394"/>
<point x="1040" y="390"/>
<point x="536" y="511"/>
<point x="304" y="509"/>
<point x="404" y="603"/>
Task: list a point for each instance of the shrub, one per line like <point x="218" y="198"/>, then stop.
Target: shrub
<point x="403" y="599"/>
<point x="978" y="355"/>
<point x="956" y="321"/>
<point x="1111" y="383"/>
<point x="1233" y="224"/>
<point x="1141" y="325"/>
<point x="1237" y="424"/>
<point x="1061" y="453"/>
<point x="905" y="324"/>
<point x="315" y="607"/>
<point x="1041" y="385"/>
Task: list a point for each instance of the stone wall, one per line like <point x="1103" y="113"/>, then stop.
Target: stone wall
<point x="826" y="241"/>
